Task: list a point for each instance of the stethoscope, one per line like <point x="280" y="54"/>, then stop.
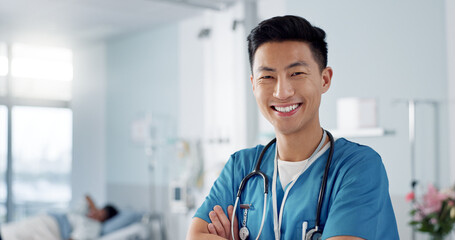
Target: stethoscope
<point x="312" y="234"/>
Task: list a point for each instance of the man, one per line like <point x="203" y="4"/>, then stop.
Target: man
<point x="288" y="59"/>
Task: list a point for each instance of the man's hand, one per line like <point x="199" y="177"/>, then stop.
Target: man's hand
<point x="221" y="224"/>
<point x="90" y="203"/>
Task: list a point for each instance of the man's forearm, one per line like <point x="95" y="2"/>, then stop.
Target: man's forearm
<point x="199" y="231"/>
<point x="203" y="236"/>
<point x="90" y="202"/>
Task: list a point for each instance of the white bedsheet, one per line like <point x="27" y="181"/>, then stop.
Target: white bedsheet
<point x="133" y="231"/>
<point x="44" y="227"/>
<point x="33" y="228"/>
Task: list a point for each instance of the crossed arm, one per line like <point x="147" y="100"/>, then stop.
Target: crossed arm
<point x="220" y="228"/>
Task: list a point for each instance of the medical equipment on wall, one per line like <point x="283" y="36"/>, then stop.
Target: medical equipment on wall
<point x="186" y="175"/>
<point x="314" y="233"/>
<point x="180" y="200"/>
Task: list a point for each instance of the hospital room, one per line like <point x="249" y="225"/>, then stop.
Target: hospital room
<point x="124" y="120"/>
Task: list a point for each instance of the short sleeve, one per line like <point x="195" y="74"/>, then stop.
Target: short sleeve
<point x="222" y="192"/>
<point x="356" y="207"/>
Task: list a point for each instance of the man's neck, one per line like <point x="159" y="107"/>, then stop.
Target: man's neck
<point x="299" y="146"/>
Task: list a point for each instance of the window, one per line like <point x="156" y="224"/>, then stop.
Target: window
<point x="42" y="158"/>
<point x="35" y="90"/>
<point x="3" y="68"/>
<point x="44" y="73"/>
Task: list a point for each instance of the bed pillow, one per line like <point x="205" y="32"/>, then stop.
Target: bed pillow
<point x="121" y="220"/>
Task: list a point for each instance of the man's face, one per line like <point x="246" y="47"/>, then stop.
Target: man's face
<point x="288" y="83"/>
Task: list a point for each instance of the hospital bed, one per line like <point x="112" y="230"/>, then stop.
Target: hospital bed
<point x="126" y="225"/>
<point x="129" y="227"/>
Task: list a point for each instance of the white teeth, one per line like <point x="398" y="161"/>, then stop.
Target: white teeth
<point x="286" y="109"/>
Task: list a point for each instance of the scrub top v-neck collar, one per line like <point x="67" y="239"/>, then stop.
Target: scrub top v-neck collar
<point x="278" y="214"/>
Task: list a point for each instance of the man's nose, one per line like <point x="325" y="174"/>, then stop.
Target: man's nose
<point x="283" y="88"/>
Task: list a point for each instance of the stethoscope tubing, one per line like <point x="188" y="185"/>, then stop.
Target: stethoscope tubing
<point x="257" y="171"/>
<point x="324" y="180"/>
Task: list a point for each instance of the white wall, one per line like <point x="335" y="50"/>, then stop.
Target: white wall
<point x="450" y="28"/>
<point x="212" y="106"/>
<point x="143" y="83"/>
<point x="89" y="135"/>
<point x="450" y="32"/>
<point x="191" y="103"/>
<point x="191" y="79"/>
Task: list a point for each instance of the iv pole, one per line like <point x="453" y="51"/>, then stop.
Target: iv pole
<point x="412" y="130"/>
<point x="411" y="118"/>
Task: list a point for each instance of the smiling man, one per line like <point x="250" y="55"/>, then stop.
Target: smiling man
<point x="318" y="187"/>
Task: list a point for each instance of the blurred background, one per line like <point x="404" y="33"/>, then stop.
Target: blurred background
<point x="141" y="102"/>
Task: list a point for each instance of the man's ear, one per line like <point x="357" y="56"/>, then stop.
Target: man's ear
<point x="327" y="74"/>
<point x="252" y="82"/>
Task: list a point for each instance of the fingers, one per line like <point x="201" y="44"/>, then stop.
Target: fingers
<point x="224" y="219"/>
<point x="221" y="223"/>
<point x="217" y="225"/>
<point x="211" y="229"/>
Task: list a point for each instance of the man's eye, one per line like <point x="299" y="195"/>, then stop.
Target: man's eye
<point x="297" y="73"/>
<point x="266" y="77"/>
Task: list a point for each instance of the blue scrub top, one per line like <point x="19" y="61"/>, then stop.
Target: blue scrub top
<point x="356" y="202"/>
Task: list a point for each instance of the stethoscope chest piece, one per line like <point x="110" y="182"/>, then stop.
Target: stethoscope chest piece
<point x="244" y="233"/>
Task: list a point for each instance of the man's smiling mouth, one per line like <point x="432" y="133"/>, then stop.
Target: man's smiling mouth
<point x="286" y="109"/>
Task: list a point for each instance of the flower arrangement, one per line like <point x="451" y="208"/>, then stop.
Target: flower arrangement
<point x="435" y="213"/>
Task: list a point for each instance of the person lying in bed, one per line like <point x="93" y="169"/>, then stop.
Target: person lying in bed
<point x="82" y="222"/>
<point x="86" y="220"/>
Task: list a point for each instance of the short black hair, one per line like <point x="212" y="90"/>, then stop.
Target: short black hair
<point x="111" y="211"/>
<point x="289" y="28"/>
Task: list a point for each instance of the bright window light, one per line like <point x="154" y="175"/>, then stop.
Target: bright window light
<point x="3" y="66"/>
<point x="42" y="146"/>
<point x="41" y="63"/>
<point x="3" y="60"/>
<point x="41" y="72"/>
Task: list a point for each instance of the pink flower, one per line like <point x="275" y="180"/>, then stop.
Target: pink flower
<point x="427" y="213"/>
<point x="410" y="196"/>
<point x="432" y="200"/>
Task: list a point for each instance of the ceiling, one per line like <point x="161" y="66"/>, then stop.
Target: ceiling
<point x="73" y="21"/>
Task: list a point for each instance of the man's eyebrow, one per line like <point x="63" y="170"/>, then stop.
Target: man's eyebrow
<point x="296" y="64"/>
<point x="269" y="69"/>
<point x="264" y="68"/>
